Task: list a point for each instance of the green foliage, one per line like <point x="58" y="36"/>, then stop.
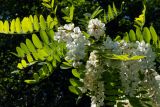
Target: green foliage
<point x="126" y="57"/>
<point x="112" y="12"/>
<point x="139" y="35"/>
<point x="36" y="41"/>
<point x="96" y="12"/>
<point x="40" y="51"/>
<point x="66" y="65"/>
<point x="154" y="35"/>
<point x="147" y="34"/>
<point x="29" y="24"/>
<point x="140" y="21"/>
<point x="132" y="36"/>
<point x="143" y="102"/>
<point x="75" y="90"/>
<point x="75" y="73"/>
<point x="112" y="87"/>
<point x="69" y="14"/>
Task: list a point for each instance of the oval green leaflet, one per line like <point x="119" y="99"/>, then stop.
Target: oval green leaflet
<point x="18" y="25"/>
<point x="154" y="34"/>
<point x="12" y="27"/>
<point x="30" y="45"/>
<point x="1" y="26"/>
<point x="132" y="36"/>
<point x="146" y="35"/>
<point x="43" y="24"/>
<point x="20" y="52"/>
<point x="6" y="27"/>
<point x="36" y="41"/>
<point x="44" y="36"/>
<point x="35" y="23"/>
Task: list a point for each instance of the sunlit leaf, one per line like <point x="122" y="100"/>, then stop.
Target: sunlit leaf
<point x="110" y="13"/>
<point x="52" y="3"/>
<point x="50" y="23"/>
<point x="126" y="57"/>
<point x="44" y="36"/>
<point x="118" y="38"/>
<point x="36" y="23"/>
<point x="36" y="41"/>
<point x="24" y="23"/>
<point x="75" y="82"/>
<point x="54" y="63"/>
<point x="42" y="52"/>
<point x="12" y="27"/>
<point x="75" y="73"/>
<point x="19" y="66"/>
<point x="31" y="18"/>
<point x="96" y="12"/>
<point x="46" y="1"/>
<point x="23" y="62"/>
<point x="20" y="52"/>
<point x="75" y="90"/>
<point x="18" y="25"/>
<point x="139" y="35"/>
<point x="154" y="34"/>
<point x="146" y="35"/>
<point x="24" y="47"/>
<point x="71" y="12"/>
<point x="42" y="22"/>
<point x="126" y="37"/>
<point x="1" y="26"/>
<point x="35" y="55"/>
<point x="30" y="81"/>
<point x="132" y="36"/>
<point x="51" y="34"/>
<point x="30" y="45"/>
<point x="65" y="66"/>
<point x="46" y="5"/>
<point x="6" y="27"/>
<point x="30" y="26"/>
<point x="114" y="9"/>
<point x="29" y="58"/>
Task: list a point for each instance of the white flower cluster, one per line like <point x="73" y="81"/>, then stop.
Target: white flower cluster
<point x="130" y="70"/>
<point x="75" y="42"/>
<point x="96" y="28"/>
<point x="92" y="80"/>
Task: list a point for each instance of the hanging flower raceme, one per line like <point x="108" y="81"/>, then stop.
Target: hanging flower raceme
<point x="130" y="71"/>
<point x="136" y="75"/>
<point x="75" y="42"/>
<point x="92" y="80"/>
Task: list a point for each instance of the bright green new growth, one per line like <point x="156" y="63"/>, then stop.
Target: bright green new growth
<point x="41" y="51"/>
<point x="112" y="13"/>
<point x="147" y="34"/>
<point x="140" y="21"/>
<point x="29" y="24"/>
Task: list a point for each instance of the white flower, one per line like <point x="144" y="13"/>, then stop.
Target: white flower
<point x="93" y="105"/>
<point x="92" y="80"/>
<point x="75" y="42"/>
<point x="77" y="30"/>
<point x="93" y="59"/>
<point x="96" y="28"/>
<point x="129" y="71"/>
<point x="157" y="77"/>
<point x="69" y="26"/>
